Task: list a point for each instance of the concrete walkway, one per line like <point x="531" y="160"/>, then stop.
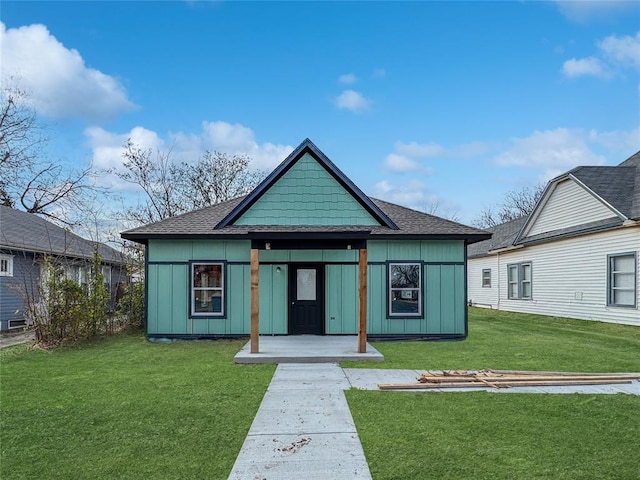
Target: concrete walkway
<point x="303" y="429"/>
<point x="9" y="339"/>
<point x="369" y="378"/>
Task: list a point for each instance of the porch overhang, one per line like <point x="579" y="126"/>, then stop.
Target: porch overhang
<point x="317" y="240"/>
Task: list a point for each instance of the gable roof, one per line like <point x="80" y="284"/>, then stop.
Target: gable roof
<point x="307" y="146"/>
<point x="617" y="187"/>
<point x="217" y="221"/>
<point x="26" y="232"/>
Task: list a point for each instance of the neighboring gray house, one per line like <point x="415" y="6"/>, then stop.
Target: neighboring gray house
<point x="576" y="255"/>
<point x="25" y="240"/>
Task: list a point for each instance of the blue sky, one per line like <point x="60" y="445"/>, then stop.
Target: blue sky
<point x="419" y="103"/>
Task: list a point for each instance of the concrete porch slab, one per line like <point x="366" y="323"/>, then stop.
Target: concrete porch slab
<point x="307" y="349"/>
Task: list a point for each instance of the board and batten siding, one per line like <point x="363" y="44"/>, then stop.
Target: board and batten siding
<point x="307" y="194"/>
<point x="168" y="295"/>
<point x="478" y="295"/>
<point x="443" y="287"/>
<point x="568" y="196"/>
<point x="569" y="277"/>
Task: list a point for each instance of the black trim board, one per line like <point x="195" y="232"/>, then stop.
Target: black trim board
<point x="307" y="146"/>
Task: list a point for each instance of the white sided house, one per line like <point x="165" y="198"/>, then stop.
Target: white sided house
<point x="576" y="255"/>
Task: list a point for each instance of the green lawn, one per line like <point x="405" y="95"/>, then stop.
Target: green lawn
<point x="504" y="340"/>
<point x="125" y="408"/>
<point x="506" y="435"/>
<point x="122" y="407"/>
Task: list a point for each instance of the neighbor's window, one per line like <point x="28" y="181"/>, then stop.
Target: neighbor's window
<point x="486" y="277"/>
<point x="106" y="277"/>
<point x="519" y="281"/>
<point x="6" y="265"/>
<point x="207" y="289"/>
<point x="622" y="280"/>
<point x="405" y="292"/>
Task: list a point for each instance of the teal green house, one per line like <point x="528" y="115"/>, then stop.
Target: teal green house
<point x="306" y="252"/>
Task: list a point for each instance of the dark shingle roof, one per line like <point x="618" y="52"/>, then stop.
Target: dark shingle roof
<point x="503" y="236"/>
<point x="615" y="185"/>
<point x="27" y="232"/>
<point x="218" y="220"/>
<point x="202" y="223"/>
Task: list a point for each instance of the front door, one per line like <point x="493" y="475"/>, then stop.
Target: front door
<point x="306" y="299"/>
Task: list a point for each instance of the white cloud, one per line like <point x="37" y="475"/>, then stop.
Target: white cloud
<point x="620" y="142"/>
<point x="411" y="193"/>
<point x="419" y="150"/>
<point x="353" y="101"/>
<point x="237" y="139"/>
<point x="56" y="78"/>
<point x="615" y="54"/>
<point x="401" y="164"/>
<point x="551" y="152"/>
<point x="586" y="11"/>
<point x="234" y="139"/>
<point x="624" y="51"/>
<point x="405" y="157"/>
<point x="585" y="66"/>
<point x="347" y="78"/>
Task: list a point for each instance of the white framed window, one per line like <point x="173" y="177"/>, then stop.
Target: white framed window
<point x="622" y="280"/>
<point x="519" y="281"/>
<point x="106" y="276"/>
<point x="207" y="289"/>
<point x="6" y="265"/>
<point x="486" y="277"/>
<point x="405" y="290"/>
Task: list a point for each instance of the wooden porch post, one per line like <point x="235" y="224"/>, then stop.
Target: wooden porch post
<point x="255" y="302"/>
<point x="362" y="301"/>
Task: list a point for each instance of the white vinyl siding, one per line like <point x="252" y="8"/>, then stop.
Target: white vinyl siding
<point x="568" y="196"/>
<point x="570" y="276"/>
<point x="476" y="293"/>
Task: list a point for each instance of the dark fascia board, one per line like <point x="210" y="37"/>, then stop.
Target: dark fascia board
<point x="143" y="238"/>
<point x="307" y="146"/>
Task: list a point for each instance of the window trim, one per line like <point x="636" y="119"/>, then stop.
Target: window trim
<point x="420" y="313"/>
<point x="520" y="280"/>
<point x="9" y="259"/>
<point x="223" y="289"/>
<point x="488" y="283"/>
<point x="610" y="274"/>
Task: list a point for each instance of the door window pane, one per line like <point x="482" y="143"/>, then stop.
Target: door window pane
<point x="306" y="284"/>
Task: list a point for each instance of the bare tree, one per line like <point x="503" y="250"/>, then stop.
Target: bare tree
<point x="217" y="177"/>
<point x="27" y="181"/>
<point x="171" y="188"/>
<point x="516" y="204"/>
<point x="435" y="208"/>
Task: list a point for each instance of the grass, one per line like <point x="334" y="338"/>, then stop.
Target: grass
<point x="122" y="407"/>
<point x="505" y="435"/>
<point x="505" y="340"/>
<point x="497" y="435"/>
